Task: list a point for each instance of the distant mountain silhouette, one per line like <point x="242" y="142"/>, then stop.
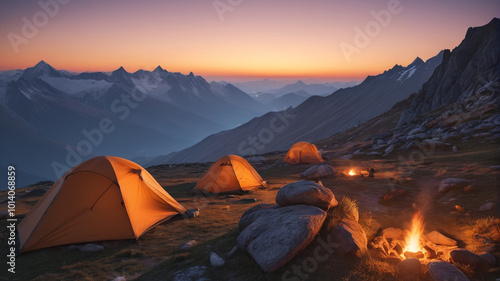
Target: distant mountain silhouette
<point x="45" y="112"/>
<point x="311" y="89"/>
<point x="315" y="118"/>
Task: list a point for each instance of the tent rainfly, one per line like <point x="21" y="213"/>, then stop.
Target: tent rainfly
<point x="303" y="153"/>
<point x="230" y="173"/>
<point x="104" y="198"/>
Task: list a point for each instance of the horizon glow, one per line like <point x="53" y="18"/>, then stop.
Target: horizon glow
<point x="240" y="40"/>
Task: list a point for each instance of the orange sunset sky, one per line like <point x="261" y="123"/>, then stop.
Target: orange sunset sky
<point x="235" y="39"/>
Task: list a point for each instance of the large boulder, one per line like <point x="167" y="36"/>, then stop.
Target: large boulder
<point x="350" y="237"/>
<point x="317" y="171"/>
<point x="451" y="183"/>
<point x="306" y="193"/>
<point x="438" y="238"/>
<point x="466" y="257"/>
<point x="444" y="271"/>
<point x="273" y="235"/>
<point x="487" y="260"/>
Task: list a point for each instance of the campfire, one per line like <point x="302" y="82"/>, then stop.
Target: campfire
<point x="413" y="245"/>
<point x="351" y="172"/>
<point x="397" y="244"/>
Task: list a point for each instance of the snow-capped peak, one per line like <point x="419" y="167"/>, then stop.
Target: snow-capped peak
<point x="41" y="68"/>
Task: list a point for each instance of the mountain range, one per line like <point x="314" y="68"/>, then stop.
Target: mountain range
<point x="55" y="119"/>
<point x="315" y="118"/>
<point x="271" y="86"/>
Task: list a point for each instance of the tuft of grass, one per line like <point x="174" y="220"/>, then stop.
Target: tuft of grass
<point x="347" y="208"/>
<point x="485" y="228"/>
<point x="370" y="225"/>
<point x="488" y="227"/>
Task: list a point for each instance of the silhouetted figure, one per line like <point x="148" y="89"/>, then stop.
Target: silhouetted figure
<point x="371" y="172"/>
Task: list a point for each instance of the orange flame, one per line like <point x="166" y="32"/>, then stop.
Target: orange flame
<point x="352" y="172"/>
<point x="412" y="240"/>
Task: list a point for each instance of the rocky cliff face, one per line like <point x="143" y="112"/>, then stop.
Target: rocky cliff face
<point x="463" y="73"/>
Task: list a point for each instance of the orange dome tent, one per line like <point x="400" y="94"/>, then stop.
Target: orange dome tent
<point x="104" y="198"/>
<point x="303" y="153"/>
<point x="230" y="173"/>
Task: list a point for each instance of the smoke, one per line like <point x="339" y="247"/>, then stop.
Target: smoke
<point x="424" y="200"/>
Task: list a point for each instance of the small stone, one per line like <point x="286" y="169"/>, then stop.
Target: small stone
<point x="460" y="209"/>
<point x="398" y="248"/>
<point x="469" y="188"/>
<point x="193" y="213"/>
<point x="392" y="259"/>
<point x="495" y="168"/>
<point x="198" y="273"/>
<point x="389" y="149"/>
<point x="410" y="267"/>
<point x="246" y="201"/>
<point x="430" y="253"/>
<point x="450" y="183"/>
<point x="484" y="127"/>
<point x="482" y="135"/>
<point x="417" y="255"/>
<point x="188" y="245"/>
<point x="418" y="130"/>
<point x="486" y="207"/>
<point x="120" y="278"/>
<point x="378" y="243"/>
<point x="91" y="248"/>
<point x="226" y="207"/>
<point x="215" y="260"/>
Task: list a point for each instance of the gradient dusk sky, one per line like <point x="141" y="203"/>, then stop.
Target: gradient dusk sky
<point x="247" y="38"/>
